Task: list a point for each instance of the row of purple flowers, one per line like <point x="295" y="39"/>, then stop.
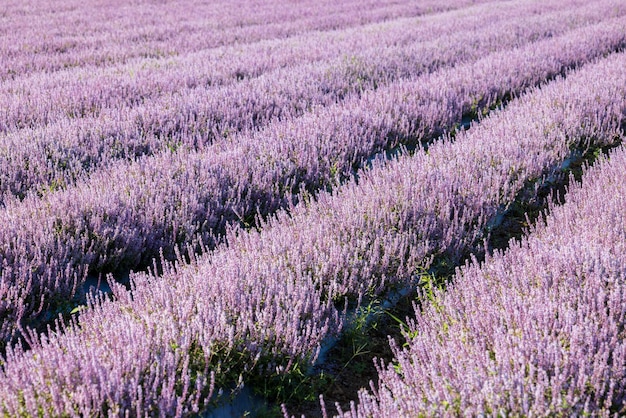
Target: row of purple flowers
<point x="535" y="331"/>
<point x="62" y="135"/>
<point x="124" y="215"/>
<point x="267" y="299"/>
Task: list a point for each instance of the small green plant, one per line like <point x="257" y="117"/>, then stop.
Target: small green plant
<point x="295" y="386"/>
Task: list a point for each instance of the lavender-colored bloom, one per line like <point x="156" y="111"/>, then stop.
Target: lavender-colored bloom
<point x="534" y="331"/>
<point x="267" y="299"/>
<point x="96" y="33"/>
<point x="73" y="92"/>
<point x="122" y="216"/>
<point x="59" y="143"/>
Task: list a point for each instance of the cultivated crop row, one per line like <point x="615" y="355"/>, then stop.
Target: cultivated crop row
<point x="534" y="331"/>
<point x="265" y="301"/>
<point x="126" y="214"/>
<point x="113" y="32"/>
<point x="44" y="98"/>
<point x="55" y="156"/>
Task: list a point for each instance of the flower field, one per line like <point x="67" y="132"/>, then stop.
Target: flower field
<point x="243" y="179"/>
